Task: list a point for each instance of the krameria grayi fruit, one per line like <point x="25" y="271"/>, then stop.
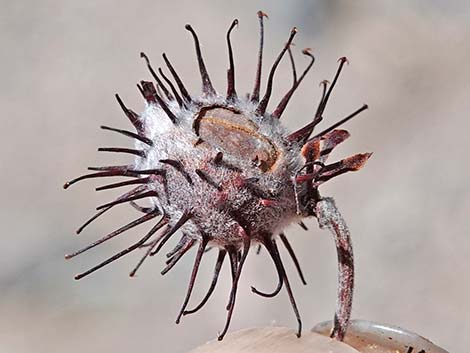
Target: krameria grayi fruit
<point x="224" y="173"/>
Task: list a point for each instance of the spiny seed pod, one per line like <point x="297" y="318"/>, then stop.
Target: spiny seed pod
<point x="225" y="173"/>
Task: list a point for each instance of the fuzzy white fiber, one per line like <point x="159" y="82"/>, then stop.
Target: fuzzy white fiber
<point x="178" y="142"/>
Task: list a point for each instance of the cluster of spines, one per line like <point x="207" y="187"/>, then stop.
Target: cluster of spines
<point x="313" y="173"/>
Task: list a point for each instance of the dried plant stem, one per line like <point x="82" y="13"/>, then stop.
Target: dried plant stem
<point x="330" y="218"/>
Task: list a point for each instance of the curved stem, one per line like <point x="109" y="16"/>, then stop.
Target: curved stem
<point x="329" y="217"/>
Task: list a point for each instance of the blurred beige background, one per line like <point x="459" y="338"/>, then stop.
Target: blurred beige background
<point x="61" y="63"/>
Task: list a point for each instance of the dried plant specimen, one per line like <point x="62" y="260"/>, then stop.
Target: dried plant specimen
<point x="223" y="172"/>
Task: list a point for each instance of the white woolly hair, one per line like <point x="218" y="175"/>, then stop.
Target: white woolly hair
<point x="177" y="141"/>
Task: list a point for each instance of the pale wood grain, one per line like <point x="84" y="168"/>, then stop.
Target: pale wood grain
<point x="274" y="340"/>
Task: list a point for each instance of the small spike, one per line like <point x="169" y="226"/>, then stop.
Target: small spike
<point x="153" y="243"/>
<point x="111" y="235"/>
<point x="141" y="261"/>
<point x="285" y="100"/>
<point x="179" y="83"/>
<point x="301" y="135"/>
<point x="91" y="219"/>
<point x="126" y="168"/>
<point x="179" y="167"/>
<point x="209" y="248"/>
<point x="110" y="173"/>
<point x="207" y="88"/>
<point x="143" y="139"/>
<point x="256" y="89"/>
<point x="159" y="91"/>
<point x="231" y="92"/>
<point x="156" y="171"/>
<point x="121" y="253"/>
<point x="232" y="252"/>
<point x="206" y="178"/>
<point x="131" y="115"/>
<point x="324" y="101"/>
<point x="350" y="164"/>
<point x="141" y="90"/>
<point x="139" y="153"/>
<point x="261" y="109"/>
<point x="218" y="266"/>
<point x="233" y="293"/>
<point x="318" y="117"/>
<point x="174" y="260"/>
<point x="280" y="280"/>
<point x="197" y="262"/>
<point x="123" y="183"/>
<point x="218" y="157"/>
<point x="98" y="214"/>
<point x="181" y="243"/>
<point x="219" y="161"/>
<point x="292" y="254"/>
<point x="172" y="87"/>
<point x="277" y="258"/>
<point x="339" y="123"/>
<point x="112" y="167"/>
<point x="155" y="76"/>
<point x="152" y="193"/>
<point x="323" y="84"/>
<point x="167" y="235"/>
<point x="292" y="63"/>
<point x="166" y="109"/>
<point x="302" y="225"/>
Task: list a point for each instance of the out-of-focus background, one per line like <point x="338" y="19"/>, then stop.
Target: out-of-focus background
<point x="408" y="210"/>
